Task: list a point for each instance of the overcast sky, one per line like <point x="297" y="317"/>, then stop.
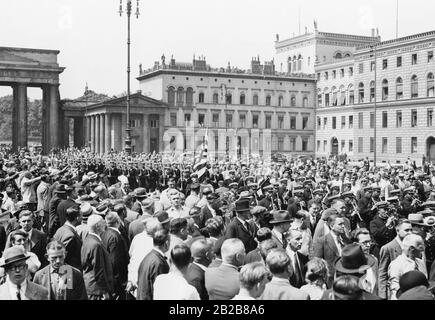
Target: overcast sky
<point x="91" y="36"/>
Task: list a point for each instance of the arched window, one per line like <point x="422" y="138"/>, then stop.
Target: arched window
<point x="342" y="96"/>
<point x="215" y="98"/>
<point x="268" y="100"/>
<point x="180" y="97"/>
<point x="351" y="95"/>
<point x="255" y="100"/>
<point x="326" y="92"/>
<point x="189" y="97"/>
<point x="280" y="101"/>
<point x="201" y="97"/>
<point x="399" y="88"/>
<point x="361" y="93"/>
<point x="305" y="102"/>
<point x="171" y="96"/>
<point x="293" y="101"/>
<point x="338" y="55"/>
<point x="372" y="91"/>
<point x="384" y="90"/>
<point x="347" y="55"/>
<point x="414" y="87"/>
<point x="430" y="85"/>
<point x="334" y="96"/>
<point x="229" y="98"/>
<point x="242" y="98"/>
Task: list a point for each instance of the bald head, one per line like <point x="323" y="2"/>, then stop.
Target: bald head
<point x="233" y="252"/>
<point x="202" y="252"/>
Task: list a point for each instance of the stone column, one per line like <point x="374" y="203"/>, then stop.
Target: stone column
<point x="79" y="132"/>
<point x="66" y="129"/>
<point x="54" y="133"/>
<point x="15" y="119"/>
<point x="92" y="133"/>
<point x="102" y="133"/>
<point x="20" y="116"/>
<point x="107" y="133"/>
<point x="88" y="131"/>
<point x="97" y="133"/>
<point x="146" y="133"/>
<point x="45" y="117"/>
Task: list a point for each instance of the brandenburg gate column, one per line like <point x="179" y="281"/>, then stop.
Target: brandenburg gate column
<point x="54" y="116"/>
<point x="19" y="123"/>
<point x="92" y="133"/>
<point x="107" y="133"/>
<point x="97" y="134"/>
<point x="102" y="134"/>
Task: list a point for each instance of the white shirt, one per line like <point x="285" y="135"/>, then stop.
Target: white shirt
<point x="99" y="238"/>
<point x="141" y="245"/>
<point x="182" y="212"/>
<point x="13" y="289"/>
<point x="179" y="288"/>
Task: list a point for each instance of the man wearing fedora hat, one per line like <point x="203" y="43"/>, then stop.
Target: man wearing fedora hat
<point x="140" y="194"/>
<point x="414" y="286"/>
<point x="241" y="228"/>
<point x="53" y="219"/>
<point x="17" y="286"/>
<point x="280" y="222"/>
<point x="137" y="226"/>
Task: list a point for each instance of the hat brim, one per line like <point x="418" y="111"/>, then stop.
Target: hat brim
<point x="5" y="265"/>
<point x="279" y="221"/>
<point x="370" y="264"/>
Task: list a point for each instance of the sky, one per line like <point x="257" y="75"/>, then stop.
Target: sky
<point x="92" y="37"/>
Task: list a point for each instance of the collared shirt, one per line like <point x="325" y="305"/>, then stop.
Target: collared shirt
<point x="99" y="238"/>
<point x="69" y="225"/>
<point x="337" y="243"/>
<point x="180" y="289"/>
<point x="115" y="230"/>
<point x="400" y="266"/>
<point x="13" y="289"/>
<point x="292" y="256"/>
<point x="140" y="246"/>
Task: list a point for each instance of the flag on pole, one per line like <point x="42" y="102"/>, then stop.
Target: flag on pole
<point x="200" y="167"/>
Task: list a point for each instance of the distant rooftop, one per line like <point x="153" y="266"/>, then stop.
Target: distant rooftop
<point x="417" y="36"/>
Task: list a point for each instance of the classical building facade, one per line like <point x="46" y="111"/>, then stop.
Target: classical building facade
<point x="403" y="89"/>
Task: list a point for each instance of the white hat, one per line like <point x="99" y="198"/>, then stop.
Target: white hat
<point x="123" y="179"/>
<point x="94" y="219"/>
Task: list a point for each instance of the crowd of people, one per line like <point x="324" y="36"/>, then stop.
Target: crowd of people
<point x="77" y="226"/>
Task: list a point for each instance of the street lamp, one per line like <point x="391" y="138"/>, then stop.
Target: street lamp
<point x="128" y="129"/>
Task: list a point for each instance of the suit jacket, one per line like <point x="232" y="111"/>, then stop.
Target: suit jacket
<point x="2" y="239"/>
<point x="222" y="283"/>
<point x="299" y="281"/>
<point x="237" y="230"/>
<point x="96" y="265"/>
<point x="118" y="255"/>
<point x="326" y="249"/>
<point x="33" y="292"/>
<point x="137" y="207"/>
<point x="151" y="266"/>
<point x="53" y="218"/>
<point x="196" y="277"/>
<point x="281" y="289"/>
<point x="77" y="292"/>
<point x="73" y="244"/>
<point x="62" y="207"/>
<point x="388" y="253"/>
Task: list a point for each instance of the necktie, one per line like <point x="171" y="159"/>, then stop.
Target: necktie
<point x="284" y="241"/>
<point x="298" y="271"/>
<point x="415" y="265"/>
<point x="18" y="292"/>
<point x="247" y="227"/>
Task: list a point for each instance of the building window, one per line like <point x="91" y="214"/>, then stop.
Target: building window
<point x="268" y="122"/>
<point x="429" y="56"/>
<point x="361" y="68"/>
<point x="293" y="122"/>
<point x="268" y="100"/>
<point x="414" y="87"/>
<point x="334" y="98"/>
<point x="334" y="74"/>
<point x="384" y="145"/>
<point x="372" y="66"/>
<point x="360" y="120"/>
<point x="361" y="93"/>
<point x="319" y="100"/>
<point x="399" y="88"/>
<point x="229" y="99"/>
<point x="280" y="144"/>
<point x="372" y="120"/>
<point x="216" y="120"/>
<point x="350" y="122"/>
<point x="255" y="100"/>
<point x="136" y="123"/>
<point x="430" y="85"/>
<point x="187" y="117"/>
<point x="372" y="91"/>
<point x="173" y="119"/>
<point x="255" y="121"/>
<point x="171" y="96"/>
<point x="429" y="117"/>
<point x="189" y="97"/>
<point x="341" y="73"/>
<point x="413" y="118"/>
<point x="326" y="99"/>
<point x="304" y="123"/>
<point x="350" y="71"/>
<point x="242" y="120"/>
<point x="325" y="122"/>
<point x="351" y="96"/>
<point x="324" y="145"/>
<point x="201" y="119"/>
<point x="360" y="145"/>
<point x="343" y="145"/>
<point x="242" y="99"/>
<point x="384" y="64"/>
<point x="326" y="75"/>
<point x="229" y="120"/>
<point x="414" y="145"/>
<point x="318" y="145"/>
<point x="292" y="144"/>
<point x="281" y="122"/>
<point x="201" y="97"/>
<point x="398" y="119"/>
<point x="384" y="90"/>
<point x="304" y="144"/>
<point x="399" y="62"/>
<point x="398" y="145"/>
<point x="350" y="145"/>
<point x="343" y="122"/>
<point x="305" y="102"/>
<point x="372" y="144"/>
<point x="215" y="98"/>
<point x="319" y="123"/>
<point x="154" y="123"/>
<point x="280" y="101"/>
<point x="414" y="59"/>
<point x="334" y="123"/>
<point x="384" y="119"/>
<point x="293" y="101"/>
<point x="180" y="97"/>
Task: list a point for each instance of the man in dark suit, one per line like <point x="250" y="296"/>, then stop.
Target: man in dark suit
<point x="389" y="253"/>
<point x="365" y="205"/>
<point x="140" y="194"/>
<point x="255" y="255"/>
<point x="298" y="260"/>
<point x="223" y="283"/>
<point x="97" y="268"/>
<point x="65" y="204"/>
<point x="68" y="236"/>
<point x="202" y="256"/>
<point x="329" y="246"/>
<point x="241" y="228"/>
<point x="62" y="281"/>
<point x="53" y="219"/>
<point x="152" y="265"/>
<point x="281" y="223"/>
<point x="118" y="252"/>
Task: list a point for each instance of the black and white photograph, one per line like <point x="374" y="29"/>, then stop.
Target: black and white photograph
<point x="236" y="152"/>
